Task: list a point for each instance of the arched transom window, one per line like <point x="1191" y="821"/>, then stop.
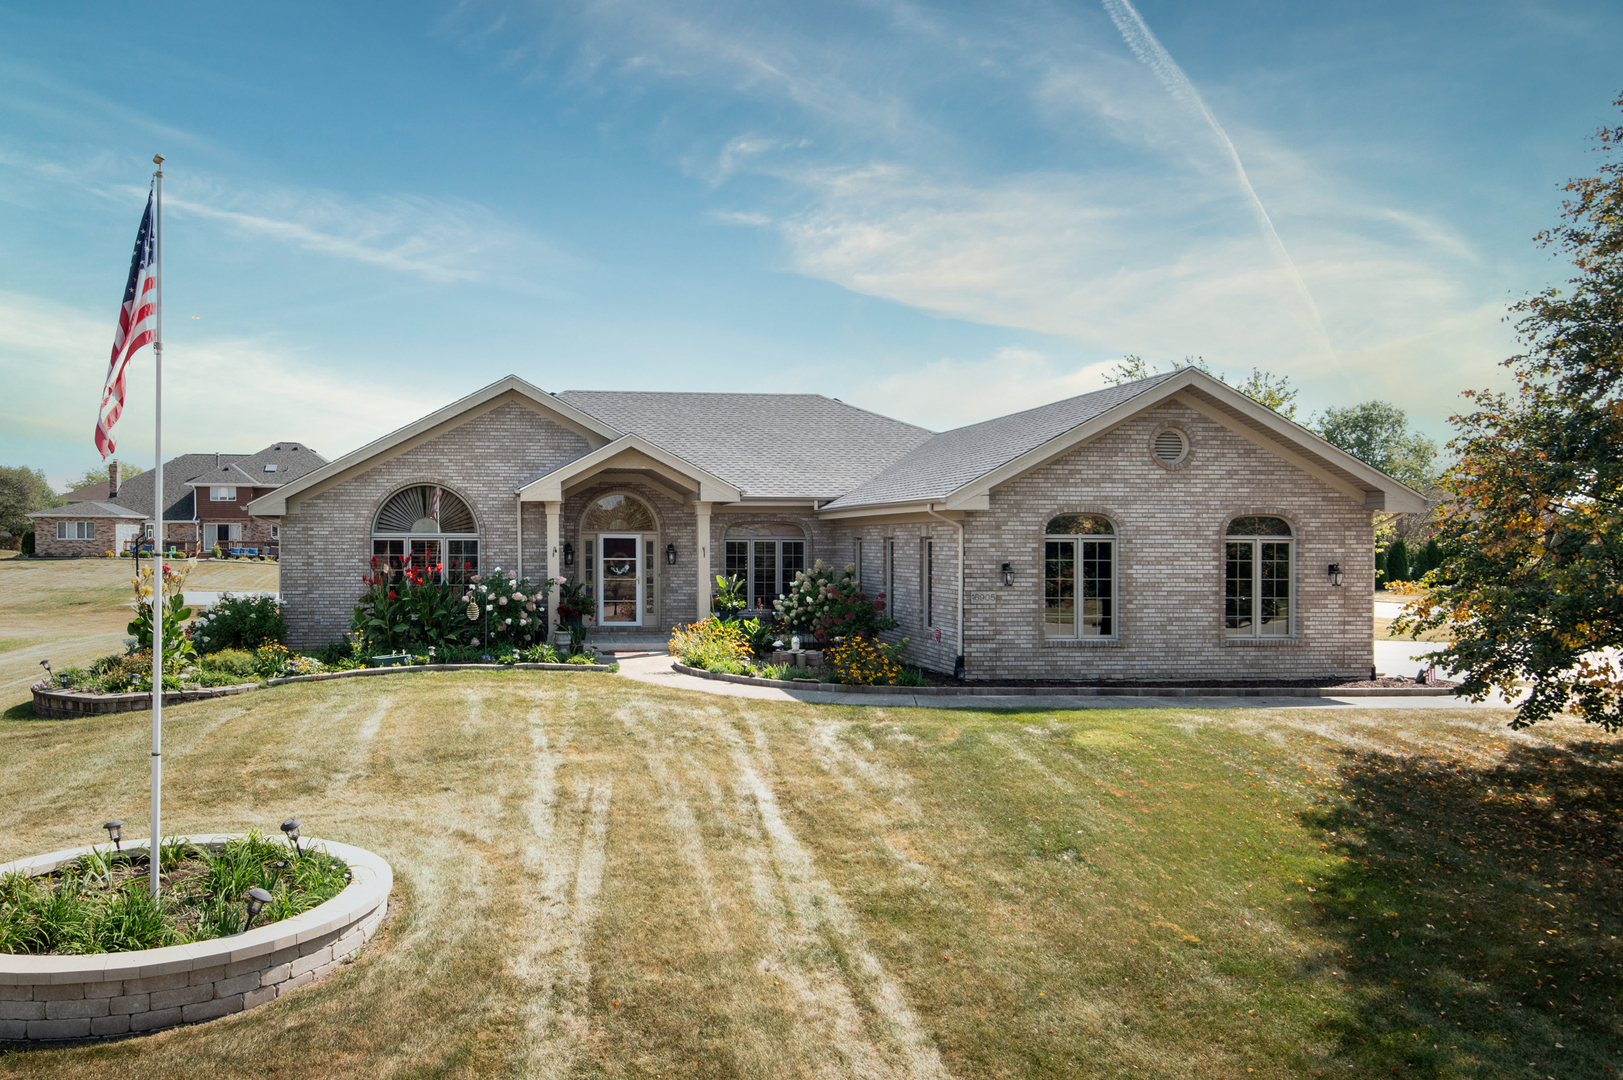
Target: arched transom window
<point x="1257" y="576"/>
<point x="1079" y="577"/>
<point x="428" y="528"/>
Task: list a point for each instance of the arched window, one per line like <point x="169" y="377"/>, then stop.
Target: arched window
<point x="1257" y="576"/>
<point x="618" y="513"/>
<point x="765" y="557"/>
<point x="1079" y="577"/>
<point x="426" y="527"/>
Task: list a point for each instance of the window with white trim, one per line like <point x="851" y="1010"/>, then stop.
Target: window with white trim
<point x="1258" y="569"/>
<point x="276" y="532"/>
<point x="767" y="565"/>
<point x="224" y="534"/>
<point x="428" y="529"/>
<point x="76" y="530"/>
<point x="222" y="494"/>
<point x="1079" y="577"/>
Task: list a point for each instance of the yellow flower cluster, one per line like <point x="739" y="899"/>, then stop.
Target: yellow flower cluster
<point x="862" y="661"/>
<point x="712" y="641"/>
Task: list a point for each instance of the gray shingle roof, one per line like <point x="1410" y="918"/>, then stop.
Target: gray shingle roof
<point x="954" y="458"/>
<point x="179" y="472"/>
<point x="87" y="510"/>
<point x="769" y="445"/>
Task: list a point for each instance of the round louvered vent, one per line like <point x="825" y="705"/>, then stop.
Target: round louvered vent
<point x="1170" y="447"/>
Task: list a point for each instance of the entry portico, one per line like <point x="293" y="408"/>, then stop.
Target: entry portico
<point x="621" y="529"/>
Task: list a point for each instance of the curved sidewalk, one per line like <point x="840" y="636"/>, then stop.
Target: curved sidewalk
<point x="656" y="671"/>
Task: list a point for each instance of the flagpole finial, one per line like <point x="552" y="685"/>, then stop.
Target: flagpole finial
<point x="157" y="159"/>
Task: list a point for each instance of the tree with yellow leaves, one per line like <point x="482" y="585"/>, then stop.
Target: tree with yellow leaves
<point x="1533" y="589"/>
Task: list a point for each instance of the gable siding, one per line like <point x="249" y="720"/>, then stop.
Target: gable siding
<point x="1169" y="529"/>
<point x="326" y="542"/>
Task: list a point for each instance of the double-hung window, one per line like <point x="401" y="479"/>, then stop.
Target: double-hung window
<point x="1257" y="578"/>
<point x="1079" y="578"/>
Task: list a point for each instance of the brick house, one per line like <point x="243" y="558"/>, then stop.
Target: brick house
<point x="1166" y="528"/>
<point x="205" y="498"/>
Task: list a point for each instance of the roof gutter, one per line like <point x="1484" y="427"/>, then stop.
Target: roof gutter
<point x="958" y="661"/>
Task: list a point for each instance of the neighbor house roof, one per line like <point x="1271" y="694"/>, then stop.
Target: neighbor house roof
<point x="803" y="446"/>
<point x="179" y="473"/>
<point x="87" y="510"/>
<point x="88" y="493"/>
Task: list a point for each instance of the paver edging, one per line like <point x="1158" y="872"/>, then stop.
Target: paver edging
<point x="66" y="704"/>
<point x="324" y="937"/>
<point x="971" y="690"/>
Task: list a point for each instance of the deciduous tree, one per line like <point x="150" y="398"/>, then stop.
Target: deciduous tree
<point x="23" y="490"/>
<point x="1533" y="584"/>
<point x="1378" y="434"/>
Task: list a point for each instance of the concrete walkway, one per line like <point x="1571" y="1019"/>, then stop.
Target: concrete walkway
<point x="656" y="671"/>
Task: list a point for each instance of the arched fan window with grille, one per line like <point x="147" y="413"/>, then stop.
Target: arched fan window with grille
<point x="428" y="528"/>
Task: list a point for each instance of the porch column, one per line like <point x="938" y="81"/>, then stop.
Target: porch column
<point x="701" y="514"/>
<point x="555" y="550"/>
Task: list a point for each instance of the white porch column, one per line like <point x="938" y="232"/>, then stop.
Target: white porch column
<point x="701" y="514"/>
<point x="555" y="550"/>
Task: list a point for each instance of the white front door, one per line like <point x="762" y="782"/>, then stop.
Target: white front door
<point x="619" y="589"/>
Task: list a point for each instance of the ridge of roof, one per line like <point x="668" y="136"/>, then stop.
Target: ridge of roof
<point x="90" y="508"/>
<point x="795" y="446"/>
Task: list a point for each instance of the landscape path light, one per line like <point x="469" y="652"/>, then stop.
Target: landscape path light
<point x="291" y="828"/>
<point x="257" y="899"/>
<point x="115" y="830"/>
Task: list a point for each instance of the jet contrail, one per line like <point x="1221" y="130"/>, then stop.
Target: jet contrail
<point x="1145" y="46"/>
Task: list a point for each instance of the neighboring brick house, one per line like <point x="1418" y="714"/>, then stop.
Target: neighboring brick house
<point x="205" y="498"/>
<point x="84" y="528"/>
<point x="1166" y="528"/>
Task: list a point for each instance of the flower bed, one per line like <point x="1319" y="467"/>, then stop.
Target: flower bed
<point x="83" y="996"/>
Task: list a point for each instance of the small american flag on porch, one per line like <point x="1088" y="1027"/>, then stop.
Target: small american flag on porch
<point x="137" y="326"/>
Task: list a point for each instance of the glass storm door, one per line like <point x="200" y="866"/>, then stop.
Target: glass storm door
<point x="619" y="598"/>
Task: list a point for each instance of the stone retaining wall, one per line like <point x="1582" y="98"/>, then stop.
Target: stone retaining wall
<point x="66" y="704"/>
<point x="81" y="997"/>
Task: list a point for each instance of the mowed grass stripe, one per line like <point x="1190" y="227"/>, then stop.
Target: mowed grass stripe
<point x="1045" y="894"/>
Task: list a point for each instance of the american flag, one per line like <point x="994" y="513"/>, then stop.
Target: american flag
<point x="137" y="326"/>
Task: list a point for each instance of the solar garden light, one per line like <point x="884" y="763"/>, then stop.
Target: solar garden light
<point x="257" y="898"/>
<point x="115" y="830"/>
<point x="291" y="828"/>
<point x="1334" y="572"/>
<point x="46" y="664"/>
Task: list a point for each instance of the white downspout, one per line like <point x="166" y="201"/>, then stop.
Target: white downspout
<point x="958" y="664"/>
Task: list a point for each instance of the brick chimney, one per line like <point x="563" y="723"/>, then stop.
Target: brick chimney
<point x="112" y="479"/>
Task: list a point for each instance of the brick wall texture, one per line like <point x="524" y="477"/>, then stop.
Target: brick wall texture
<point x="1169" y="536"/>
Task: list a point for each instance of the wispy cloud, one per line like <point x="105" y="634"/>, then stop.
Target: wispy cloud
<point x="1135" y="226"/>
<point x="56" y="355"/>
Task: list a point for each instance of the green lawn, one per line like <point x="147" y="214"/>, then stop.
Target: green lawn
<point x="601" y="878"/>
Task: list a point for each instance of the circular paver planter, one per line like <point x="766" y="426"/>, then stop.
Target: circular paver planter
<point x="101" y="994"/>
<point x="66" y="704"/>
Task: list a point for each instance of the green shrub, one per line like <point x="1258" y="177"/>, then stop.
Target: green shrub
<point x="1397" y="561"/>
<point x="542" y="654"/>
<point x="239" y="622"/>
<point x="238" y="662"/>
<point x="581" y="658"/>
<point x="912" y="676"/>
<point x="710" y="642"/>
<point x="862" y="661"/>
<point x="27" y="547"/>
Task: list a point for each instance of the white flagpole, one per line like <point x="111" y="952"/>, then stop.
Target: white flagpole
<point x="154" y="845"/>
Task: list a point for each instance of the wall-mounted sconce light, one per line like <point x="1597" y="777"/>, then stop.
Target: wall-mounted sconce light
<point x="670" y="554"/>
<point x="1334" y="571"/>
<point x="569" y="553"/>
<point x="1008" y="574"/>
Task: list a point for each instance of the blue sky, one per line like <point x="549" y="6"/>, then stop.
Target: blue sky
<point x="941" y="212"/>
